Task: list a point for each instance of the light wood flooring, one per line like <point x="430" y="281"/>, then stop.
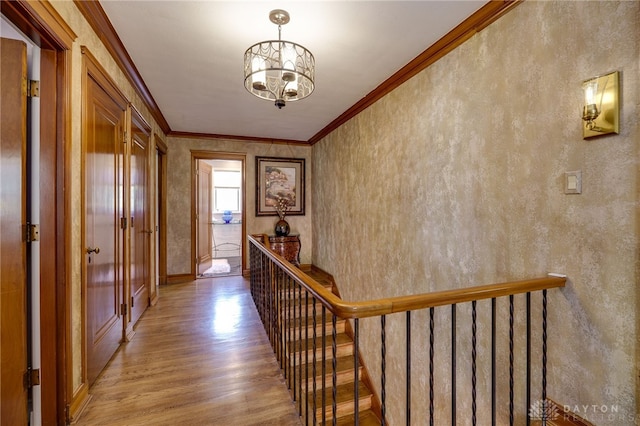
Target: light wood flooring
<point x="199" y="357"/>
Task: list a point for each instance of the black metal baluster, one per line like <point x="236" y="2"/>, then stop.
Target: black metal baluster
<point x="267" y="300"/>
<point x="453" y="364"/>
<point x="493" y="361"/>
<point x="473" y="362"/>
<point x="287" y="330"/>
<point x="383" y="372"/>
<point x="263" y="291"/>
<point x="256" y="296"/>
<point x="306" y="357"/>
<point x="356" y="350"/>
<point x="511" y="413"/>
<point x="273" y="312"/>
<point x="315" y="419"/>
<point x="544" y="355"/>
<point x="283" y="328"/>
<point x="324" y="365"/>
<point x="270" y="321"/>
<point x="333" y="364"/>
<point x="273" y="321"/>
<point x="431" y="345"/>
<point x="291" y="348"/>
<point x="283" y="325"/>
<point x="294" y="346"/>
<point x="300" y="319"/>
<point x="408" y="356"/>
<point x="528" y="373"/>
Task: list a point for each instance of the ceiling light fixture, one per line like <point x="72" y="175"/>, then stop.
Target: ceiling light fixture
<point x="279" y="70"/>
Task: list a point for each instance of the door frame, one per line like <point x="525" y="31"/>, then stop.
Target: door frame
<point x="161" y="205"/>
<point x="46" y="28"/>
<point x="136" y="120"/>
<point x="216" y="155"/>
<point x="203" y="260"/>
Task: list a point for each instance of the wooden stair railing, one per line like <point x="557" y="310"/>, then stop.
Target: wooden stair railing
<point x="306" y="323"/>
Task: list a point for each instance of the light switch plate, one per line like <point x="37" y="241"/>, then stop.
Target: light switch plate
<point x="573" y="182"/>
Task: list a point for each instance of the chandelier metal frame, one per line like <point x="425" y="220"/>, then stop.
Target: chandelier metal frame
<point x="279" y="70"/>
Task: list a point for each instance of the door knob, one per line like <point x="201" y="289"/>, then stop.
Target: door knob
<point x="95" y="250"/>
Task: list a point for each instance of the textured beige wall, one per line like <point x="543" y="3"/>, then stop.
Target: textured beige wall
<point x="456" y="179"/>
<point x="86" y="37"/>
<point x="179" y="195"/>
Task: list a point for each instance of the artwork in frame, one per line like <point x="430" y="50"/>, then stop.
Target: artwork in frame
<point x="279" y="178"/>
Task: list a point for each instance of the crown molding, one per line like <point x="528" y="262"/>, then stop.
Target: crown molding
<point x="475" y="23"/>
<point x="97" y="18"/>
<point x="191" y="135"/>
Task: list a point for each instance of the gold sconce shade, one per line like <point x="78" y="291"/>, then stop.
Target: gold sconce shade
<point x="601" y="110"/>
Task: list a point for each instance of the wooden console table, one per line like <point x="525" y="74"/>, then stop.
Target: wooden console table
<point x="287" y="247"/>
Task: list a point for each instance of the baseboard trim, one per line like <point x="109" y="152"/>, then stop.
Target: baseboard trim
<point x="153" y="301"/>
<point x="180" y="278"/>
<point x="79" y="403"/>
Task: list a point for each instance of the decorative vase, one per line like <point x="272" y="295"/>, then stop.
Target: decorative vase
<point x="227" y="216"/>
<point x="282" y="228"/>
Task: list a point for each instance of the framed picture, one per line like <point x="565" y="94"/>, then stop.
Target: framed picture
<point x="279" y="178"/>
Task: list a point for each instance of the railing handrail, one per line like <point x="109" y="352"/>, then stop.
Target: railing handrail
<point x="385" y="306"/>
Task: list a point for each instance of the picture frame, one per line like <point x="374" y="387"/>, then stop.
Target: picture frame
<point x="279" y="178"/>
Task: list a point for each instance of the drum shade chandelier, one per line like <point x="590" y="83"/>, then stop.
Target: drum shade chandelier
<point x="279" y="70"/>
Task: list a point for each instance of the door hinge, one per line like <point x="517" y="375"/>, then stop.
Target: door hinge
<point x="132" y="301"/>
<point x="31" y="232"/>
<point x="33" y="89"/>
<point x="124" y="309"/>
<point x="31" y="378"/>
<point x="123" y="222"/>
<point x="67" y="413"/>
<point x="124" y="137"/>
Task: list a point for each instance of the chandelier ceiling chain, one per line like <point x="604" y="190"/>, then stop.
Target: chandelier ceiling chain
<point x="279" y="70"/>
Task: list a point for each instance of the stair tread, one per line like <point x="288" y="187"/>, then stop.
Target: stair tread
<point x="344" y="371"/>
<point x="341" y="339"/>
<point x="343" y="363"/>
<point x="344" y="394"/>
<point x="366" y="418"/>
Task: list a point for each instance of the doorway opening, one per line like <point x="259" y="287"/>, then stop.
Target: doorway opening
<point x="220" y="225"/>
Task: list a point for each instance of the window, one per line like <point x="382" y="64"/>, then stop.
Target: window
<point x="226" y="189"/>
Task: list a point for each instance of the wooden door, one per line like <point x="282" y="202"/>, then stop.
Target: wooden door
<point x="140" y="224"/>
<point x="203" y="216"/>
<point x="13" y="315"/>
<point x="104" y="127"/>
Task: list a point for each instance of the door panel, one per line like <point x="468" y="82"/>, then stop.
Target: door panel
<point x="13" y="314"/>
<point x="103" y="201"/>
<point x="204" y="238"/>
<point x="140" y="225"/>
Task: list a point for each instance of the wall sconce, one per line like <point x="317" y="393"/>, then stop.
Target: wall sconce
<point x="601" y="110"/>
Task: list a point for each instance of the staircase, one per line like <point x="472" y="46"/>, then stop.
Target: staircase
<point x="284" y="297"/>
<point x="299" y="356"/>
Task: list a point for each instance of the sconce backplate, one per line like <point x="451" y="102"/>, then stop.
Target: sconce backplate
<point x="609" y="119"/>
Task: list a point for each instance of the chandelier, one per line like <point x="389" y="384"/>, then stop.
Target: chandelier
<point x="279" y="70"/>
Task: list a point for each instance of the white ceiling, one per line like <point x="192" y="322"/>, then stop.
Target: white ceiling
<point x="190" y="55"/>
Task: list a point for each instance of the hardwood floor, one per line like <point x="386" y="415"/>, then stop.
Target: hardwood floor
<point x="199" y="357"/>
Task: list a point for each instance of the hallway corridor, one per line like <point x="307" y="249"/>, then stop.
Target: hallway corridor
<point x="199" y="357"/>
